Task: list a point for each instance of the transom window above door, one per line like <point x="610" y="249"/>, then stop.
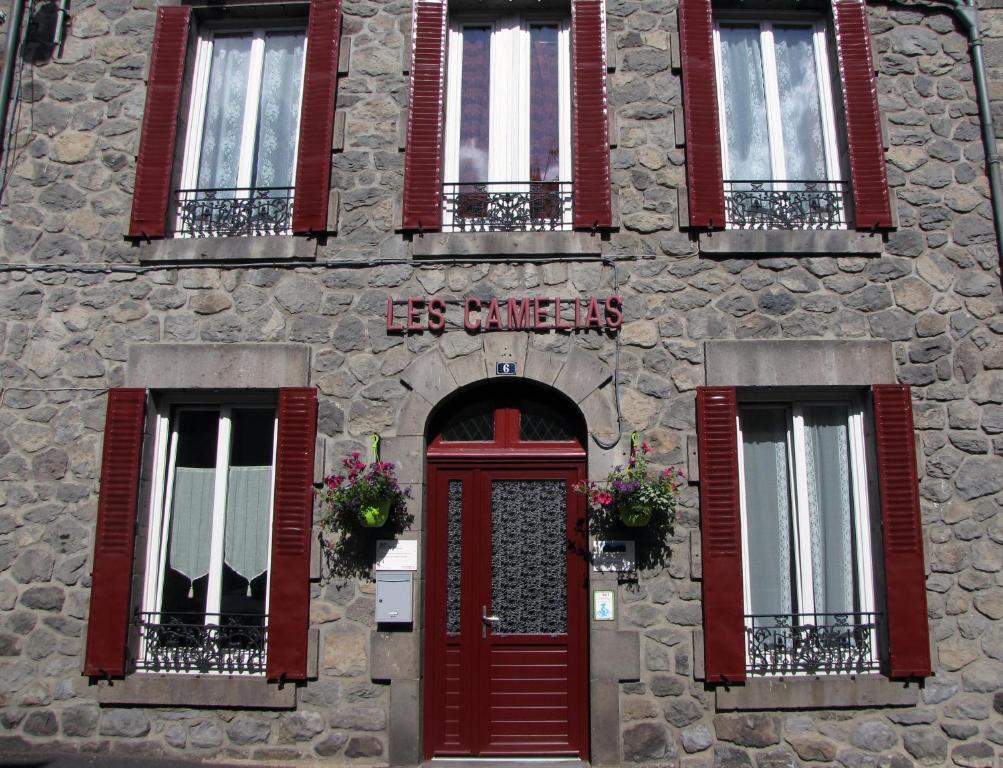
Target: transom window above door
<point x="507" y="163"/>
<point x="239" y="160"/>
<point x="780" y="153"/>
<point x="489" y="420"/>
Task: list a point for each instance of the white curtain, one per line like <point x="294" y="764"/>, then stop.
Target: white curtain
<point x="768" y="509"/>
<point x="278" y="110"/>
<point x="829" y="508"/>
<point x="224" y="112"/>
<point x="747" y="140"/>
<point x="191" y="521"/>
<point x="800" y="114"/>
<point x="248" y="500"/>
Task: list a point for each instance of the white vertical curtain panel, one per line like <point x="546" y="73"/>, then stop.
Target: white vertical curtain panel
<point x="747" y="132"/>
<point x="191" y="521"/>
<point x="219" y="159"/>
<point x="279" y="110"/>
<point x="800" y="113"/>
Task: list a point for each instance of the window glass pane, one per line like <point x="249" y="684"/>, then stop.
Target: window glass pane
<point x="248" y="507"/>
<point x="190" y="529"/>
<point x="544" y="105"/>
<point x="278" y="110"/>
<point x="473" y="422"/>
<point x="454" y="539"/>
<point x="528" y="556"/>
<point x="224" y="112"/>
<point x="829" y="507"/>
<point x="540" y="422"/>
<point x="768" y="509"/>
<point x="475" y="94"/>
<point x="747" y="140"/>
<point x="800" y="110"/>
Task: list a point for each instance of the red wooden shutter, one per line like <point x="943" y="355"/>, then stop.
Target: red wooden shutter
<point x="289" y="596"/>
<point x="114" y="539"/>
<point x="320" y="81"/>
<point x="720" y="535"/>
<point x="591" y="191"/>
<point x="155" y="160"/>
<point x="423" y="160"/>
<point x="863" y="124"/>
<point x="703" y="132"/>
<point x="905" y="574"/>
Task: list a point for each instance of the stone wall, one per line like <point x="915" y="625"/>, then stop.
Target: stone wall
<point x="67" y="323"/>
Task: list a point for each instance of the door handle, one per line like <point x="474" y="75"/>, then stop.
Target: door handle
<point x="485" y="620"/>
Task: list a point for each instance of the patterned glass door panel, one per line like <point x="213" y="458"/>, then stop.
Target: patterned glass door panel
<point x="532" y="697"/>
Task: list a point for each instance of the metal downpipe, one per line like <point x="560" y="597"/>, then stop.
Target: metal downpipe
<point x="13" y="43"/>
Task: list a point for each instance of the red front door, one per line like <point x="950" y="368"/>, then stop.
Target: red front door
<point x="506" y="599"/>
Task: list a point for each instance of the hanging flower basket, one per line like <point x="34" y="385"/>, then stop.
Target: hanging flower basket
<point x="632" y="494"/>
<point x="366" y="495"/>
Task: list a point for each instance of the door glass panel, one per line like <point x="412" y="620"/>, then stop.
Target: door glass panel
<point x="454" y="511"/>
<point x="472" y="423"/>
<point x="528" y="556"/>
<point x="538" y="421"/>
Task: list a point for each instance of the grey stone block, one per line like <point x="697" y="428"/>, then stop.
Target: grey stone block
<point x="276" y="248"/>
<point x="755" y="363"/>
<point x="615" y="656"/>
<point x="582" y="374"/>
<point x="811" y="693"/>
<point x="218" y="366"/>
<point x="768" y="241"/>
<point x="404" y="735"/>
<point x="393" y="655"/>
<point x="506" y="244"/>
<point x="604" y="722"/>
<point x="196" y="691"/>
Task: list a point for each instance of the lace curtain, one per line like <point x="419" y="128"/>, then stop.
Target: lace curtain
<point x="278" y="113"/>
<point x="219" y="160"/>
<point x="747" y="140"/>
<point x="800" y="114"/>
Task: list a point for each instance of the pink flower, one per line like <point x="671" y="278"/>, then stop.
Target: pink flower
<point x="645" y="447"/>
<point x="603" y="498"/>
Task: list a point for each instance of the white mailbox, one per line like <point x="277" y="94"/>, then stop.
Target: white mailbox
<point x="393" y="597"/>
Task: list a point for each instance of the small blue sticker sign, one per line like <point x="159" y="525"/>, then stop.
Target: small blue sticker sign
<point x="505" y="369"/>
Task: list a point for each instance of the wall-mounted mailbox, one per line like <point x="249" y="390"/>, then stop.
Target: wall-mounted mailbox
<point x="393" y="597"/>
<point x="614" y="555"/>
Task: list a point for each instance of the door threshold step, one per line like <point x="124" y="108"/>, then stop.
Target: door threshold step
<point x="504" y="762"/>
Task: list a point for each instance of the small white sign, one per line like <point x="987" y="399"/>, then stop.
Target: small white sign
<point x="603" y="605"/>
<point x="396" y="555"/>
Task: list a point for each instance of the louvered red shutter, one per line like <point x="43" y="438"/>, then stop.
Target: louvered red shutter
<point x="423" y="159"/>
<point x="720" y="535"/>
<point x="591" y="204"/>
<point x="902" y="534"/>
<point x="155" y="160"/>
<point x="703" y="133"/>
<point x="320" y="84"/>
<point x="289" y="595"/>
<point x="114" y="540"/>
<point x="863" y="124"/>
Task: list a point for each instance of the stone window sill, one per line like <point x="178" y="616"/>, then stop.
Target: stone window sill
<point x="196" y="691"/>
<point x="467" y="244"/>
<point x="780" y="693"/>
<point x="265" y="248"/>
<point x="790" y="242"/>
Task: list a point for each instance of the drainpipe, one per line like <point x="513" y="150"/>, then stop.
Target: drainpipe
<point x="13" y="40"/>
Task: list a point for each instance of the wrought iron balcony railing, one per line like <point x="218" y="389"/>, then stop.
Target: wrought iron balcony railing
<point x="785" y="204"/>
<point x="811" y="643"/>
<point x="517" y="206"/>
<point x="202" y="642"/>
<point x="234" y="212"/>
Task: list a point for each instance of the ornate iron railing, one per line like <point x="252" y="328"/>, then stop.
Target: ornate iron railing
<point x="516" y="206"/>
<point x="234" y="212"/>
<point x="811" y="643"/>
<point x="785" y="204"/>
<point x="201" y="642"/>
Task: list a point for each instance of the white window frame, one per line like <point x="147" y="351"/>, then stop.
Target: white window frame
<point x="165" y="450"/>
<point x="508" y="158"/>
<point x="862" y="490"/>
<point x="827" y="105"/>
<point x="199" y="93"/>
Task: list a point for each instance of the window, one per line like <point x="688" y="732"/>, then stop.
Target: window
<point x="792" y="570"/>
<point x="778" y="125"/>
<point x="517" y="136"/>
<point x="253" y="90"/>
<point x="226" y="524"/>
<point x="206" y="586"/>
<point x="806" y="538"/>
<point x="239" y="158"/>
<point x="508" y="126"/>
<point x="771" y="98"/>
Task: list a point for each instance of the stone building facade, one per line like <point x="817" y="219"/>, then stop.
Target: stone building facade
<point x="87" y="309"/>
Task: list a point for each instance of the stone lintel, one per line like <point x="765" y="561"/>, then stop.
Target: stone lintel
<point x="466" y="244"/>
<point x="792" y="363"/>
<point x="817" y="693"/>
<point x="220" y="691"/>
<point x="218" y="366"/>
<point x="785" y="241"/>
<point x="273" y="248"/>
